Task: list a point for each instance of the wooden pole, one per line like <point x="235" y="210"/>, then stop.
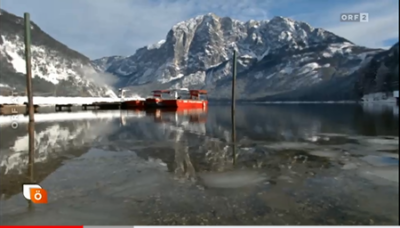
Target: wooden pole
<point x="233" y="102"/>
<point x="28" y="66"/>
<point x="31" y="126"/>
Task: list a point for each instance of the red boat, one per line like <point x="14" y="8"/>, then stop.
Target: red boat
<point x="182" y="98"/>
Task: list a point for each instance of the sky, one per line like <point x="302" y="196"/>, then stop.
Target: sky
<point x="99" y="28"/>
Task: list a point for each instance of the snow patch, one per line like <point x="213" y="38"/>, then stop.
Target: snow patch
<point x="379" y="97"/>
<point x="338" y="48"/>
<point x="287" y="70"/>
<point x="309" y="68"/>
<point x="166" y="80"/>
<point x="264" y="54"/>
<point x="156" y="45"/>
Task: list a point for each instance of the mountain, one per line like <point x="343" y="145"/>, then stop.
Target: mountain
<point x="380" y="73"/>
<point x="103" y="64"/>
<point x="57" y="70"/>
<point x="275" y="57"/>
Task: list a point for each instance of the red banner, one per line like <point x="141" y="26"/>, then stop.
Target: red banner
<point x="41" y="226"/>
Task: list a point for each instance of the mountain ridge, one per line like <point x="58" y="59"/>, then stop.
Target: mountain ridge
<point x="275" y="56"/>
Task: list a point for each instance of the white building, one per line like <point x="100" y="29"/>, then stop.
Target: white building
<point x="391" y="97"/>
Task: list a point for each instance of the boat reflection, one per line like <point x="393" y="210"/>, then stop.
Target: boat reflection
<point x="173" y="115"/>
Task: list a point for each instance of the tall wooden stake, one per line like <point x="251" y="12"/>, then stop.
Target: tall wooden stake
<point x="233" y="102"/>
<point x="31" y="126"/>
<point x="28" y="66"/>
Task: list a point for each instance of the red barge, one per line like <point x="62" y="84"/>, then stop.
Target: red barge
<point x="182" y="98"/>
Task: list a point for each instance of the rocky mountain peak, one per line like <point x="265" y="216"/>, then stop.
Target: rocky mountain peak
<point x="282" y="54"/>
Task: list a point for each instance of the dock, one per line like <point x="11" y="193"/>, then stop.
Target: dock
<point x="91" y="106"/>
<point x="14" y="105"/>
<point x="15" y="109"/>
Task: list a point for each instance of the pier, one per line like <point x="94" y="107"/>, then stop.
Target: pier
<point x="92" y="106"/>
<point x="15" y="109"/>
<point x="103" y="106"/>
<point x="13" y="105"/>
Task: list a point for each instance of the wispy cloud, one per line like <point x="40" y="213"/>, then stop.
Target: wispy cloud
<point x="383" y="22"/>
<point x="98" y="78"/>
<point x="100" y="28"/>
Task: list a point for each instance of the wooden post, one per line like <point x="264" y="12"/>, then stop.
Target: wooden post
<point x="233" y="102"/>
<point x="28" y="66"/>
<point x="31" y="127"/>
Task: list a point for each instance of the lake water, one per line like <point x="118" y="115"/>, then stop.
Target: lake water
<point x="292" y="164"/>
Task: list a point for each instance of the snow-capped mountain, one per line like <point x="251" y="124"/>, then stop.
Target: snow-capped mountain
<point x="56" y="69"/>
<point x="103" y="64"/>
<point x="274" y="57"/>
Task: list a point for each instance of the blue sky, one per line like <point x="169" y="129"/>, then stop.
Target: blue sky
<point x="100" y="28"/>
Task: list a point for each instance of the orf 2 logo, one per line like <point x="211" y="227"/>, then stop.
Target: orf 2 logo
<point x="34" y="193"/>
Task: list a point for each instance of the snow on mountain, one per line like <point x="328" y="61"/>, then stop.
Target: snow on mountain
<point x="104" y="63"/>
<point x="275" y="56"/>
<point x="56" y="69"/>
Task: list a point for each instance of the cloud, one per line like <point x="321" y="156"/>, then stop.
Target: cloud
<point x="98" y="78"/>
<point x="383" y="22"/>
<point x="100" y="28"/>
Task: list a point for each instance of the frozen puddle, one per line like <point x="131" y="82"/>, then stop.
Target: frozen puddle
<point x="231" y="179"/>
<point x="291" y="146"/>
<point x="325" y="153"/>
<point x="381" y="161"/>
<point x="390" y="174"/>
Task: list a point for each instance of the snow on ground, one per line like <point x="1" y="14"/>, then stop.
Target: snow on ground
<point x="62" y="100"/>
<point x="68" y="116"/>
<point x="380" y="97"/>
<point x="53" y="73"/>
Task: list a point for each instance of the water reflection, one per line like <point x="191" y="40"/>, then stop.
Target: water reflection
<point x="54" y="142"/>
<point x="137" y="167"/>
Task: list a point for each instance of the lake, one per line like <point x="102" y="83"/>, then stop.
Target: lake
<point x="291" y="164"/>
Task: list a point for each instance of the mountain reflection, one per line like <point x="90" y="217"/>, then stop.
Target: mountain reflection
<point x="97" y="166"/>
<point x="199" y="135"/>
<point x="61" y="136"/>
<point x="55" y="141"/>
